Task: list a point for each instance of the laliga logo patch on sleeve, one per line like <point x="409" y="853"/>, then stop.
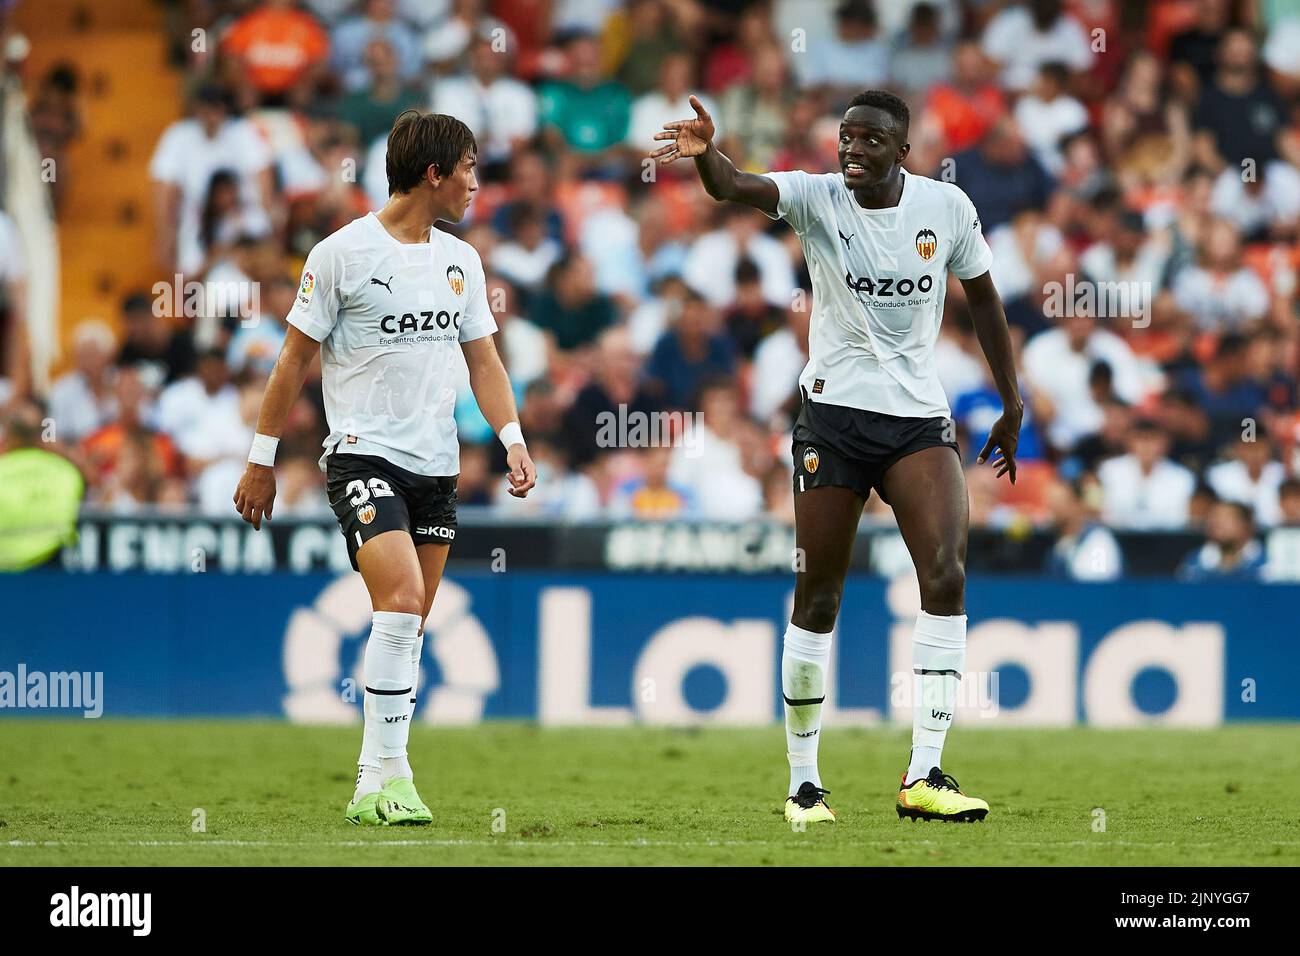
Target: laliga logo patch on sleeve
<point x="305" y="290"/>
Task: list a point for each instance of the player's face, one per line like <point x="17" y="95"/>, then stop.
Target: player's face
<point x="459" y="188"/>
<point x="870" y="146"/>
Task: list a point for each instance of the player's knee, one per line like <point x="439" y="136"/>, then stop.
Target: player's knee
<point x="402" y="598"/>
<point x="943" y="587"/>
<point x="816" y="608"/>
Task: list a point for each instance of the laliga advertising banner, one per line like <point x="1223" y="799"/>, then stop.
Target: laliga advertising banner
<point x="610" y="649"/>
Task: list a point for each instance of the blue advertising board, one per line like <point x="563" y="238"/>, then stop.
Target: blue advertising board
<point x="608" y="648"/>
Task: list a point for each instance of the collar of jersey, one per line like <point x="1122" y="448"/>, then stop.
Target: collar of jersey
<point x="903" y="199"/>
<point x="374" y="220"/>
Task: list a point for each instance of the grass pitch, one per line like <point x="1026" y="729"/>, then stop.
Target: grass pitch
<point x="249" y="793"/>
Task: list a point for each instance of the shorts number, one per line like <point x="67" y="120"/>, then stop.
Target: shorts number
<point x="361" y="494"/>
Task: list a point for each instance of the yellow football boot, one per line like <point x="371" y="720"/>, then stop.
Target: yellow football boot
<point x="937" y="797"/>
<point x="809" y="805"/>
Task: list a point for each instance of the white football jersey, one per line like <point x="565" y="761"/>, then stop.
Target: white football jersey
<point x="390" y="317"/>
<point x="879" y="280"/>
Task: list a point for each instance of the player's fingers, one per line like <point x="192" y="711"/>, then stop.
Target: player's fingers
<point x="678" y="124"/>
<point x="696" y="105"/>
<point x="257" y="517"/>
<point x="663" y="150"/>
<point x="669" y="157"/>
<point x="666" y="134"/>
<point x="984" y="454"/>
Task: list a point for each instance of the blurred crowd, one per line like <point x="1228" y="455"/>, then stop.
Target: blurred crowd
<point x="1136" y="167"/>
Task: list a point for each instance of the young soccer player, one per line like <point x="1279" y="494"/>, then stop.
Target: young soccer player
<point x="879" y="243"/>
<point x="387" y="300"/>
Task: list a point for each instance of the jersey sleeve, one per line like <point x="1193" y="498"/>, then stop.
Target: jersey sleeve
<point x="796" y="201"/>
<point x="477" y="320"/>
<point x="315" y="309"/>
<point x="971" y="255"/>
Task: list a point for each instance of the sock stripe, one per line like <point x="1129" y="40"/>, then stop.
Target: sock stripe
<point x="388" y="693"/>
<point x="949" y="673"/>
<point x="804" y="703"/>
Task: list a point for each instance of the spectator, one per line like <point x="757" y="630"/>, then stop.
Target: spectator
<point x="160" y="351"/>
<point x="83" y="399"/>
<point x="652" y="36"/>
<point x="354" y="40"/>
<point x="921" y="55"/>
<point x="668" y="101"/>
<point x="274" y="54"/>
<point x="1237" y="116"/>
<point x="190" y="152"/>
<point x="1223" y="392"/>
<point x="1085" y="549"/>
<point x="615" y="389"/>
<point x="753" y="116"/>
<point x="1143" y="489"/>
<point x="856" y="57"/>
<point x="570" y="308"/>
<point x="711" y="261"/>
<point x="526" y="257"/>
<point x="1024" y="36"/>
<point x="1047" y="113"/>
<point x="501" y="111"/>
<point x="1192" y="52"/>
<point x="1267" y="205"/>
<point x="709" y="461"/>
<point x="1058" y="363"/>
<point x="381" y="95"/>
<point x="184" y="403"/>
<point x="778" y="361"/>
<point x="693" y="350"/>
<point x="1001" y="177"/>
<point x="650" y="495"/>
<point x="1220" y="293"/>
<point x="1230" y="552"/>
<point x="1252" y="476"/>
<point x="588" y="112"/>
<point x="129" y="462"/>
<point x="960" y="112"/>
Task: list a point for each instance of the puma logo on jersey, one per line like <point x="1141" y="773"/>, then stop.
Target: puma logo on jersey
<point x="386" y="285"/>
<point x="846" y="238"/>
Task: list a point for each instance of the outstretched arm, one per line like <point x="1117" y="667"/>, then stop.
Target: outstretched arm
<point x="990" y="323"/>
<point x="255" y="494"/>
<point x="721" y="179"/>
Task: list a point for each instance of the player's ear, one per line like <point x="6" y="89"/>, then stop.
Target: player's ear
<point x="431" y="174"/>
<point x="903" y="151"/>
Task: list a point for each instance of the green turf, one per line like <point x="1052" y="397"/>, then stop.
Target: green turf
<point x="125" y="792"/>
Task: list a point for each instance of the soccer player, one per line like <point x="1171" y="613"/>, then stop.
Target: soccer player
<point x="879" y="243"/>
<point x="387" y="299"/>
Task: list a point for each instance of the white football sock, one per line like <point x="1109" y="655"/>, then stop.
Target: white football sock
<point x="938" y="659"/>
<point x="803" y="684"/>
<point x="388" y="657"/>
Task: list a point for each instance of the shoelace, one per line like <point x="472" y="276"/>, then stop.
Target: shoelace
<point x="809" y="796"/>
<point x="944" y="781"/>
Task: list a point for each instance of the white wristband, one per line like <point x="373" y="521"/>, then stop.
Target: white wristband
<point x="263" y="450"/>
<point x="511" y="434"/>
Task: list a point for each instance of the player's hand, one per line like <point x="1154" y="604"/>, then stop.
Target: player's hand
<point x="1004" y="436"/>
<point x="690" y="137"/>
<point x="523" y="473"/>
<point x="255" y="494"/>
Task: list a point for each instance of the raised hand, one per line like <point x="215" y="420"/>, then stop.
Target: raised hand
<point x="690" y="137"/>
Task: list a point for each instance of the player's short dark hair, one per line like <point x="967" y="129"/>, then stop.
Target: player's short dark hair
<point x="420" y="140"/>
<point x="889" y="103"/>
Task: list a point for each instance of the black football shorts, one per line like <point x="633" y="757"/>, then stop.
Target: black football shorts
<point x="370" y="496"/>
<point x="852" y="448"/>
